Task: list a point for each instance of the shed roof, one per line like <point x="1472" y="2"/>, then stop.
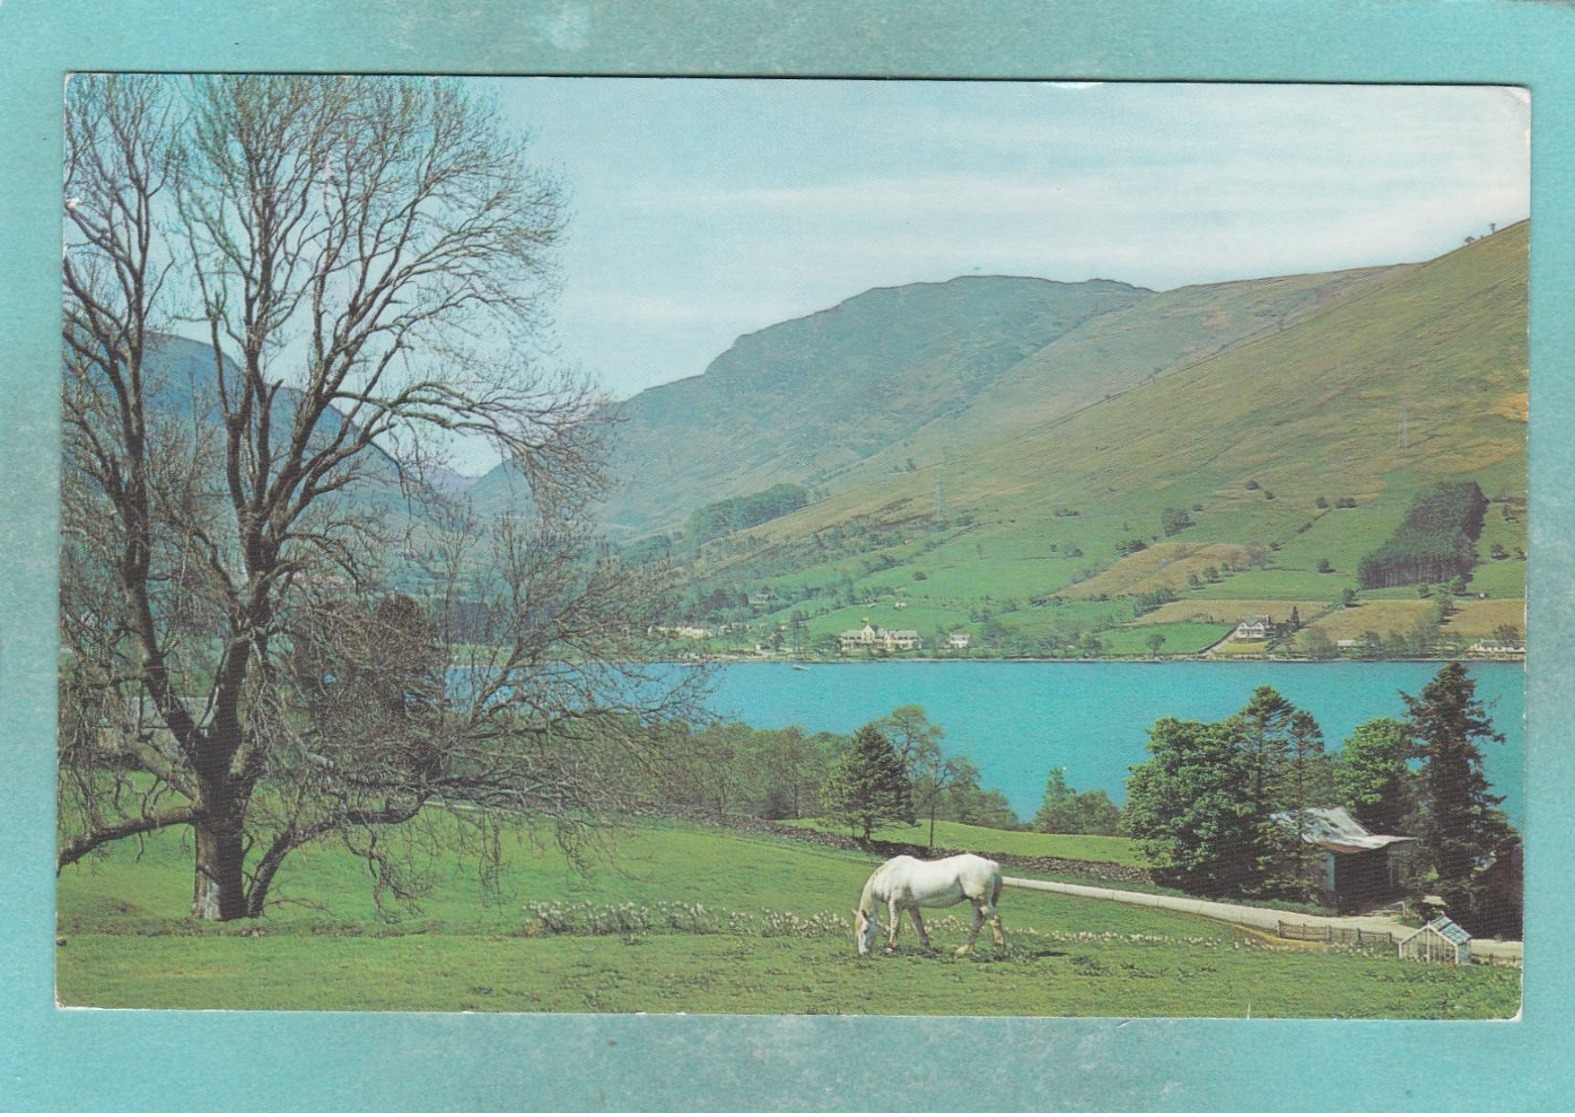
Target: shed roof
<point x="1334" y="829"/>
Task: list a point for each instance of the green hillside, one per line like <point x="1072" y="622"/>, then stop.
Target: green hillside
<point x="799" y="400"/>
<point x="1124" y="349"/>
<point x="1259" y="445"/>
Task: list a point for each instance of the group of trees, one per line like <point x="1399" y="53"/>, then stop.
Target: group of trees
<point x="711" y="521"/>
<point x="1434" y="543"/>
<point x="368" y="263"/>
<point x="895" y="770"/>
<point x="1065" y="810"/>
<point x="891" y="770"/>
<point x="1220" y="808"/>
<point x="1203" y="805"/>
<point x="730" y="768"/>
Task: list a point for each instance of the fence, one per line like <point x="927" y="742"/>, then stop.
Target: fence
<point x="1343" y="936"/>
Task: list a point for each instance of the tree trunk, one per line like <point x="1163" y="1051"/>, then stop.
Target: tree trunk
<point x="262" y="879"/>
<point x="219" y="888"/>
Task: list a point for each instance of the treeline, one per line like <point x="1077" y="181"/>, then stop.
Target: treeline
<point x="1222" y="808"/>
<point x="710" y="521"/>
<point x="892" y="770"/>
<point x="1435" y="542"/>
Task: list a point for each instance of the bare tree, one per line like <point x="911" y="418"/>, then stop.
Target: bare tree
<point x="368" y="259"/>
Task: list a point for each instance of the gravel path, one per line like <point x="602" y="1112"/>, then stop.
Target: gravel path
<point x="1267" y="919"/>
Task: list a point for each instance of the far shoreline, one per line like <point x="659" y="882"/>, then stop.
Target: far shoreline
<point x="726" y="660"/>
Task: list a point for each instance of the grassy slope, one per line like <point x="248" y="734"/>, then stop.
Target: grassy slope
<point x="326" y="950"/>
<point x="802" y="399"/>
<point x="958" y="835"/>
<point x="1307" y="412"/>
<point x="1122" y="350"/>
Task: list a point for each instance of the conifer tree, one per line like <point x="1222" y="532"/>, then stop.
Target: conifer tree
<point x="1466" y="838"/>
<point x="1263" y="735"/>
<point x="1303" y="788"/>
<point x="868" y="787"/>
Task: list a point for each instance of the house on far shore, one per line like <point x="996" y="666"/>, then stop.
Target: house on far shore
<point x="870" y="638"/>
<point x="1361" y="869"/>
<point x="1256" y="628"/>
<point x="958" y="640"/>
<point x="682" y="631"/>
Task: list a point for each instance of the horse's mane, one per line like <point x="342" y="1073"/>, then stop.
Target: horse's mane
<point x="873" y="888"/>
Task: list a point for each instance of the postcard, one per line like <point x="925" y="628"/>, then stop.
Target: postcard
<point x="709" y="573"/>
<point x="555" y="544"/>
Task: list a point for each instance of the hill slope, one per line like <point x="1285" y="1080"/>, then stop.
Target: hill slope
<point x="1251" y="437"/>
<point x="900" y="378"/>
<point x="804" y="398"/>
<point x="1122" y="350"/>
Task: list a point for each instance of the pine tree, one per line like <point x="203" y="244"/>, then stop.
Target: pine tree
<point x="1065" y="810"/>
<point x="1303" y="788"/>
<point x="1051" y="817"/>
<point x="1466" y="838"/>
<point x="868" y="787"/>
<point x="1265" y="727"/>
<point x="1263" y="736"/>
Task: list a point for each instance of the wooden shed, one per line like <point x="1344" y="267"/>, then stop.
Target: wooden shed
<point x="1442" y="940"/>
<point x="1359" y="869"/>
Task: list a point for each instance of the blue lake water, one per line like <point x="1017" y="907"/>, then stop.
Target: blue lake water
<point x="1017" y="721"/>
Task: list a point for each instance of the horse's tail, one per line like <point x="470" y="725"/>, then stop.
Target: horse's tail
<point x="995" y="892"/>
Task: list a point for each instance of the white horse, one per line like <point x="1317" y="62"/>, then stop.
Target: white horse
<point x="908" y="884"/>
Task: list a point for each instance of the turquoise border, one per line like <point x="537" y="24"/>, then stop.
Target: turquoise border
<point x="51" y="1059"/>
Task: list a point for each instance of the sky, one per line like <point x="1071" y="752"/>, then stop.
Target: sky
<point x="704" y="209"/>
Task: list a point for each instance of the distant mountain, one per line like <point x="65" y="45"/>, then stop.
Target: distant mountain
<point x="1109" y="355"/>
<point x="449" y="482"/>
<point x="1026" y="460"/>
<point x="1257" y="409"/>
<point x="899" y="379"/>
<point x="183" y="378"/>
<point x="803" y="399"/>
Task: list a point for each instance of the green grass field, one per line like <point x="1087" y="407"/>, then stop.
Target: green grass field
<point x="1180" y="639"/>
<point x="694" y="920"/>
<point x="1038" y="974"/>
<point x="1026" y="843"/>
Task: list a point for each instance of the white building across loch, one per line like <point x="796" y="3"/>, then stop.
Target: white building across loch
<point x="870" y="638"/>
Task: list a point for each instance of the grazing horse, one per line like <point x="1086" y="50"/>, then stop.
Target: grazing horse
<point x="908" y="884"/>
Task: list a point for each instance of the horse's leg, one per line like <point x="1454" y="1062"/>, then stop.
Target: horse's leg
<point x="918" y="925"/>
<point x="988" y="912"/>
<point x="973" y="933"/>
<point x="896" y="926"/>
<point x="995" y="916"/>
